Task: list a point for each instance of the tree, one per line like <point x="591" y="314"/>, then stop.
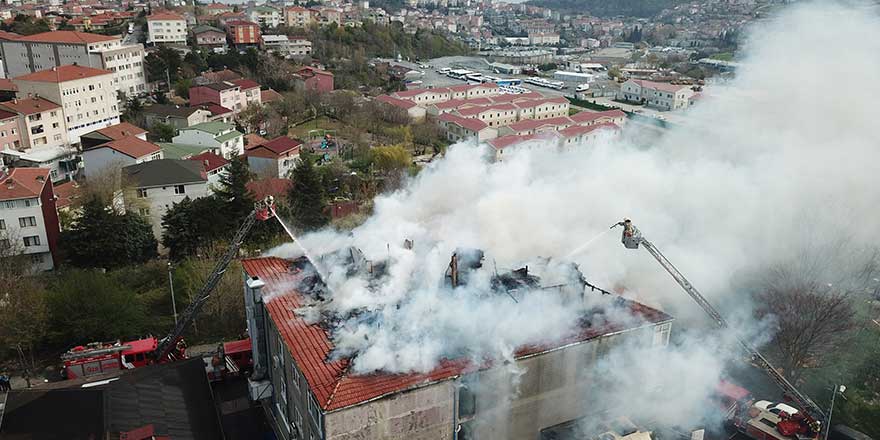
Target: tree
<point x="23" y="315"/>
<point x="181" y="87"/>
<point x="163" y="64"/>
<point x="237" y="200"/>
<point x="86" y="306"/>
<point x="191" y="225"/>
<point x="102" y="237"/>
<point x="306" y="196"/>
<point x="26" y="25"/>
<point x="163" y="132"/>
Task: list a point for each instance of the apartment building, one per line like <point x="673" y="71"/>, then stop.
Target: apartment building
<point x="243" y="33"/>
<point x="175" y="115"/>
<point x="265" y="16"/>
<point x="311" y="78"/>
<point x="218" y="137"/>
<point x="415" y="112"/>
<point x="28" y="217"/>
<point x="209" y="36"/>
<point x="616" y="117"/>
<point x="533" y="126"/>
<point x="459" y="129"/>
<point x="10" y="133"/>
<point x="43" y="51"/>
<point x="308" y="393"/>
<point x="40" y="122"/>
<point x="565" y="137"/>
<point x="166" y="28"/>
<point x="286" y="47"/>
<point x="662" y="96"/>
<point x="159" y="184"/>
<point x="249" y="92"/>
<point x="298" y="16"/>
<point x="117" y="153"/>
<point x="496" y="115"/>
<point x="87" y="96"/>
<point x="235" y="95"/>
<point x="274" y="158"/>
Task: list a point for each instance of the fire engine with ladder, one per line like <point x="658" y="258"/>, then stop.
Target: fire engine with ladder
<point x="104" y="357"/>
<point x="756" y="422"/>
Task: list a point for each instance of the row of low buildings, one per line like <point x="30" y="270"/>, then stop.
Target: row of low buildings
<point x="483" y="113"/>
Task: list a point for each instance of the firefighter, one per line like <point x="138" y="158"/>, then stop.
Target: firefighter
<point x="4" y="382"/>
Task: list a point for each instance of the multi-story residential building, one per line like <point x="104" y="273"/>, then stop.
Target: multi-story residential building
<point x="274" y="158"/>
<point x="298" y="16"/>
<point x="176" y="116"/>
<point x="235" y="95"/>
<point x="215" y="167"/>
<point x="110" y="156"/>
<point x="616" y="117"/>
<point x="265" y="16"/>
<point x="661" y="96"/>
<point x="10" y="133"/>
<point x="284" y="46"/>
<point x="464" y="129"/>
<point x="415" y="112"/>
<point x="40" y="122"/>
<point x="311" y="78"/>
<point x="532" y="126"/>
<point x="495" y="115"/>
<point x="43" y="51"/>
<point x="157" y="185"/>
<point x="87" y="96"/>
<point x="220" y="138"/>
<point x="112" y="133"/>
<point x="217" y="8"/>
<point x="28" y="217"/>
<point x="308" y="393"/>
<point x="243" y="33"/>
<point x="166" y="28"/>
<point x="210" y="37"/>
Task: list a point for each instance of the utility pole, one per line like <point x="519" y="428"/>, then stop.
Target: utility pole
<point x="837" y="388"/>
<point x="171" y="286"/>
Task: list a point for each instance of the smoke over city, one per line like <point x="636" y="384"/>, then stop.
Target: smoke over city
<point x="781" y="158"/>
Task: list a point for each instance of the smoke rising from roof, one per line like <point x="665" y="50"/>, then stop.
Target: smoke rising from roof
<point x="780" y="158"/>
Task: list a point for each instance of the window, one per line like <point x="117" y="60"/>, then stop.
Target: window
<point x="2" y="224"/>
<point x="33" y="240"/>
<point x="144" y="211"/>
<point x="27" y="222"/>
<point x="142" y="192"/>
<point x="179" y="189"/>
<point x="661" y="335"/>
<point x="37" y="259"/>
<point x="4" y="243"/>
<point x="467" y="400"/>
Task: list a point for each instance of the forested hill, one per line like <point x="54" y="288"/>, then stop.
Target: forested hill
<point x="608" y="8"/>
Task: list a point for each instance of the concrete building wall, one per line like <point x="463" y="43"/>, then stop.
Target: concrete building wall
<point x="100" y="160"/>
<point x="45" y="129"/>
<point x="159" y="199"/>
<point x="127" y="64"/>
<point x="35" y="226"/>
<point x="166" y="31"/>
<point x="10" y="134"/>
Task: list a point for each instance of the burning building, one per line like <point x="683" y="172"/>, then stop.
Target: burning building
<point x="309" y="390"/>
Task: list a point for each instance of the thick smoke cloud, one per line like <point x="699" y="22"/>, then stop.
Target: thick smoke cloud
<point x="781" y="158"/>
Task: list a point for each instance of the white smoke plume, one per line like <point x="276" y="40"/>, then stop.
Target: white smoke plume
<point x="782" y="157"/>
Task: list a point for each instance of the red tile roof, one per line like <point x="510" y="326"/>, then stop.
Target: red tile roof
<point x="30" y="106"/>
<point x="272" y="186"/>
<point x="466" y="87"/>
<point x="9" y="35"/>
<point x="215" y="109"/>
<point x="513" y="139"/>
<point x="130" y="146"/>
<point x="270" y="96"/>
<point x="589" y="117"/>
<point x="68" y="37"/>
<point x="23" y="183"/>
<point x="246" y="83"/>
<point x="456" y="103"/>
<point x="531" y="124"/>
<point x="241" y="23"/>
<point x="507" y="97"/>
<point x="64" y="73"/>
<point x="210" y="160"/>
<point x="121" y="130"/>
<point x="66" y="193"/>
<point x="274" y="148"/>
<point x="331" y="381"/>
<point x="528" y="103"/>
<point x="310" y="71"/>
<point x="390" y="100"/>
<point x="577" y="130"/>
<point x="666" y="87"/>
<point x="471" y="124"/>
<point x="252" y="140"/>
<point x="417" y="92"/>
<point x="164" y="15"/>
<point x="4" y="115"/>
<point x="476" y="110"/>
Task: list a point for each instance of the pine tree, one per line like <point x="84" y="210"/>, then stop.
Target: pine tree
<point x="237" y="200"/>
<point x="306" y="196"/>
<point x="102" y="237"/>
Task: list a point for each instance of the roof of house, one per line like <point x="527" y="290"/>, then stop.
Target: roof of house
<point x="241" y="23"/>
<point x="510" y="97"/>
<point x="456" y="103"/>
<point x="7" y="115"/>
<point x="121" y="130"/>
<point x="67" y="37"/>
<point x="216" y="5"/>
<point x="29" y="106"/>
<point x="165" y="110"/>
<point x="23" y="183"/>
<point x="313" y="71"/>
<point x="245" y="83"/>
<point x="476" y="110"/>
<point x="6" y="84"/>
<point x="231" y="135"/>
<point x="213" y="127"/>
<point x="531" y="124"/>
<point x="274" y="148"/>
<point x="272" y="186"/>
<point x="219" y="86"/>
<point x="215" y="109"/>
<point x="502" y="142"/>
<point x="466" y="87"/>
<point x="577" y="130"/>
<point x="130" y="146"/>
<point x="210" y="160"/>
<point x="470" y="124"/>
<point x="163" y="172"/>
<point x="330" y="379"/>
<point x="4" y="35"/>
<point x="252" y="140"/>
<point x="270" y="96"/>
<point x="527" y="103"/>
<point x="390" y="100"/>
<point x="220" y="75"/>
<point x="176" y="150"/>
<point x="200" y="29"/>
<point x="69" y="72"/>
<point x="588" y="116"/>
<point x="417" y="92"/>
<point x="66" y="193"/>
<point x="666" y="87"/>
<point x="164" y="15"/>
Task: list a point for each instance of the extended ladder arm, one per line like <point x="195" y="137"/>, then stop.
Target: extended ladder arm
<point x="632" y="238"/>
<point x="261" y="211"/>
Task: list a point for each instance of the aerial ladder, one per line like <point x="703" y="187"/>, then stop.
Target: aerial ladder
<point x="171" y="347"/>
<point x="813" y="414"/>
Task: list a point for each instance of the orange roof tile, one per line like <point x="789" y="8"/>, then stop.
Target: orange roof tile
<point x="65" y="73"/>
<point x="29" y="106"/>
<point x="23" y="183"/>
<point x="130" y="146"/>
<point x="589" y="117"/>
<point x="121" y="130"/>
<point x="164" y="15"/>
<point x="69" y="37"/>
<point x="211" y="160"/>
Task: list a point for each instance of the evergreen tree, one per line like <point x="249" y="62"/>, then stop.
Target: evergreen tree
<point x="306" y="196"/>
<point x="191" y="225"/>
<point x="233" y="193"/>
<point x="102" y="237"/>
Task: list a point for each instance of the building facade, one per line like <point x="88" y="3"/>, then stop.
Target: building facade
<point x="243" y="33"/>
<point x="166" y="28"/>
<point x="87" y="96"/>
<point x="220" y="138"/>
<point x="28" y="217"/>
<point x="158" y="184"/>
<point x="661" y="96"/>
<point x="40" y="122"/>
<point x="298" y="16"/>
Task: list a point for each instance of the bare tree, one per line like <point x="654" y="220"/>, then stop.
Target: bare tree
<point x="23" y="310"/>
